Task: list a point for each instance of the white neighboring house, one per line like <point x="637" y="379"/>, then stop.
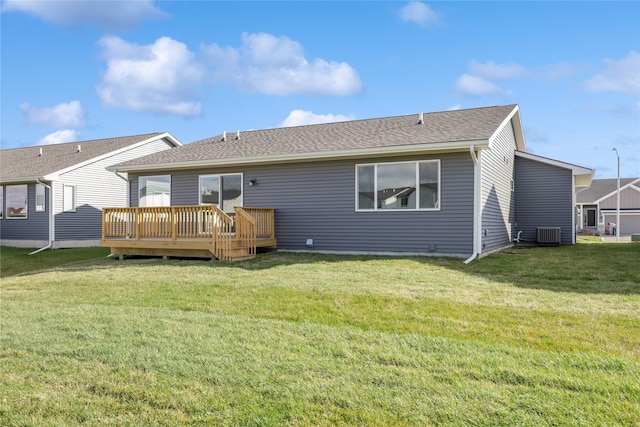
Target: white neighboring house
<point x="597" y="205"/>
<point x="53" y="195"/>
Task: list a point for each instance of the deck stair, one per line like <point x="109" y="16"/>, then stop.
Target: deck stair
<point x="189" y="231"/>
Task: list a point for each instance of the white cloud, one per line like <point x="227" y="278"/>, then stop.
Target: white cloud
<point x="157" y="78"/>
<point x="419" y="13"/>
<point x="622" y="75"/>
<point x="558" y="71"/>
<point x="455" y="107"/>
<point x="276" y="66"/>
<point x="302" y="117"/>
<point x="107" y="14"/>
<point x="68" y="114"/>
<point x="481" y="77"/>
<point x="492" y="71"/>
<point x="477" y="86"/>
<point x="59" y="137"/>
<point x="165" y="77"/>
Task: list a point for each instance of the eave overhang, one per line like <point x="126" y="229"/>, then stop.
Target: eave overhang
<point x="394" y="151"/>
<point x="25" y="179"/>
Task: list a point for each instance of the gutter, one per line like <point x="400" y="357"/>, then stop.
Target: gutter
<point x="51" y="222"/>
<point x="476" y="204"/>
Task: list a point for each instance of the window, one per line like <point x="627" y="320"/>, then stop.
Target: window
<point x="40" y="198"/>
<point x="154" y="191"/>
<point x="17" y="201"/>
<point x="1" y="202"/>
<point x="398" y="186"/>
<point x="69" y="198"/>
<point x="222" y="190"/>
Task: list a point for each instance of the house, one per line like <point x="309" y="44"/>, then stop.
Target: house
<point x="52" y="195"/>
<point x="457" y="183"/>
<point x="597" y="205"/>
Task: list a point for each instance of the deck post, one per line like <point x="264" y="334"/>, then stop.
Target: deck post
<point x="174" y="224"/>
<point x="138" y="217"/>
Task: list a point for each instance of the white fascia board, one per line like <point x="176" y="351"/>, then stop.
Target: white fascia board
<point x="442" y="147"/>
<point x="22" y="179"/>
<point x="575" y="169"/>
<point x="26" y="179"/>
<point x="516" y="121"/>
<point x="167" y="135"/>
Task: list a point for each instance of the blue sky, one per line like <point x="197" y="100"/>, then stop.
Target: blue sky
<point x="81" y="70"/>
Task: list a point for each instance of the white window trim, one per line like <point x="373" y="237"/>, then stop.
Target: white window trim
<point x="375" y="187"/>
<point x="220" y="175"/>
<point x="2" y="215"/>
<point x="26" y="206"/>
<point x="64" y="196"/>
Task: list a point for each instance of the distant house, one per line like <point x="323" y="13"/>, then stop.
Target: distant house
<point x="53" y="194"/>
<point x="456" y="183"/>
<point x="597" y="205"/>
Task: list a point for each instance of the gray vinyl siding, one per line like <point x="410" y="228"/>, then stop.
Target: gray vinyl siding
<point x="96" y="188"/>
<point x="317" y="200"/>
<point x="543" y="199"/>
<point x="34" y="227"/>
<point x="498" y="199"/>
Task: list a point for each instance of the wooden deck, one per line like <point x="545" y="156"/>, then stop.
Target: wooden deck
<point x="188" y="231"/>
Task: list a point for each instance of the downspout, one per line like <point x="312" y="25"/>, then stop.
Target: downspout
<point x="476" y="204"/>
<point x="51" y="222"/>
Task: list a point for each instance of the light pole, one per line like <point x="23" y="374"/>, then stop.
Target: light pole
<point x="618" y="199"/>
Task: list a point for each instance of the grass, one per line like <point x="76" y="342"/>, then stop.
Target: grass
<point x="529" y="336"/>
<point x="18" y="260"/>
<point x="588" y="238"/>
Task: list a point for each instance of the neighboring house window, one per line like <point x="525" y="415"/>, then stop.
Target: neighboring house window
<point x="400" y="185"/>
<point x="17" y="201"/>
<point x="154" y="190"/>
<point x="69" y="198"/>
<point x="222" y="190"/>
<point x="40" y="198"/>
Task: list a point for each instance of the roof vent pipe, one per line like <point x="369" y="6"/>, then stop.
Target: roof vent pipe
<point x="79" y="148"/>
<point x="421" y="118"/>
<point x="224" y="135"/>
<point x="40" y="153"/>
<point x="238" y="134"/>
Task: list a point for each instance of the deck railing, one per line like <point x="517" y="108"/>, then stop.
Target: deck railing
<point x="265" y="218"/>
<point x="229" y="237"/>
<point x="159" y="222"/>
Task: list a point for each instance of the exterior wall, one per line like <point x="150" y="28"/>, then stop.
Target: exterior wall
<point x="498" y="197"/>
<point x="95" y="188"/>
<point x="317" y="201"/>
<point x="544" y="198"/>
<point x="34" y="229"/>
<point x="629" y="199"/>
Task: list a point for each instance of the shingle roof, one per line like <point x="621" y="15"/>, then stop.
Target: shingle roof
<point x="27" y="162"/>
<point x="477" y="124"/>
<point x="600" y="188"/>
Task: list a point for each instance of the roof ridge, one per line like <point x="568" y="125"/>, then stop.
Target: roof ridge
<point x="88" y="141"/>
<point x="348" y="122"/>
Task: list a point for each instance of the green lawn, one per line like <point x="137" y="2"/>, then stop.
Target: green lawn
<point x="538" y="336"/>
